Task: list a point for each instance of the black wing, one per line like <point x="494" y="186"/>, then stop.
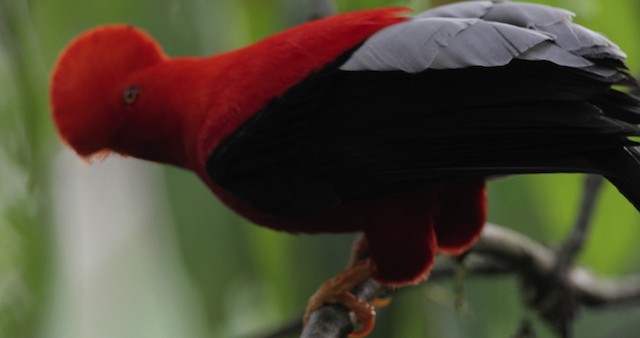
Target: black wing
<point x="354" y="131"/>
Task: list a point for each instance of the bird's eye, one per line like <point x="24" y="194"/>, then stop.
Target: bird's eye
<point x="130" y="94"/>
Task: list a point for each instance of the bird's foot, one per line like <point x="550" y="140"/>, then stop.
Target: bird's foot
<point x="338" y="291"/>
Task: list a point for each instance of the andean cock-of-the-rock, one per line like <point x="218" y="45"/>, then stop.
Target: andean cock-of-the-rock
<point x="371" y="121"/>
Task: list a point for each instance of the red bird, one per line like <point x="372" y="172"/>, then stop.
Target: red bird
<point x="367" y="121"/>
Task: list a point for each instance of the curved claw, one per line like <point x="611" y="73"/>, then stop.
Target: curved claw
<point x="381" y="302"/>
<point x="365" y="316"/>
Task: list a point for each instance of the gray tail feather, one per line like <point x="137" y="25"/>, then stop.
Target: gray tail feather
<point x="622" y="168"/>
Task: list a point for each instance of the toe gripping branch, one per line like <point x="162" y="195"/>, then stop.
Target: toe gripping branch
<point x="352" y="291"/>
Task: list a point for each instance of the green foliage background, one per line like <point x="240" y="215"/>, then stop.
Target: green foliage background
<point x="129" y="249"/>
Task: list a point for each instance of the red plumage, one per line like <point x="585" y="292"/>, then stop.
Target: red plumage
<point x="197" y="102"/>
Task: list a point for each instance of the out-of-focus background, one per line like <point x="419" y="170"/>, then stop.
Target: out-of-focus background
<point x="124" y="248"/>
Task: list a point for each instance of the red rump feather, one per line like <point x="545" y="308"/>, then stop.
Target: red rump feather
<point x="462" y="211"/>
<point x="404" y="231"/>
<point x="399" y="230"/>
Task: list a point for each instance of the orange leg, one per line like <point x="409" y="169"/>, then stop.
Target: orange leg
<point x="359" y="250"/>
<point x="338" y="291"/>
<point x="359" y="253"/>
<point x="397" y="248"/>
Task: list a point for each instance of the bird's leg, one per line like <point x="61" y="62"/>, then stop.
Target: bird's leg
<point x="338" y="290"/>
<point x="359" y="250"/>
<point x="359" y="253"/>
<point x="393" y="258"/>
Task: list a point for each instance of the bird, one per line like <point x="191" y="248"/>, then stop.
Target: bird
<point x="372" y="121"/>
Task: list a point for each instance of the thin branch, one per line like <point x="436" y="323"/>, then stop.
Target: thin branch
<point x="531" y="258"/>
<point x="575" y="241"/>
<point x="329" y="321"/>
<point x="594" y="291"/>
<point x="559" y="306"/>
<point x="514" y="249"/>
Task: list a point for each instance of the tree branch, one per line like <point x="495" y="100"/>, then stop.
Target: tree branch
<point x="529" y="258"/>
<point x="575" y="241"/>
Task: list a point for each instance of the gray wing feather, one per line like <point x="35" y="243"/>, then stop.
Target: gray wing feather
<point x="557" y="22"/>
<point x="485" y="44"/>
<point x="484" y="33"/>
<point x="406" y="47"/>
<point x="527" y="14"/>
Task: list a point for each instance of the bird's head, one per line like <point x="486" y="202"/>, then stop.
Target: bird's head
<point x="91" y="94"/>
